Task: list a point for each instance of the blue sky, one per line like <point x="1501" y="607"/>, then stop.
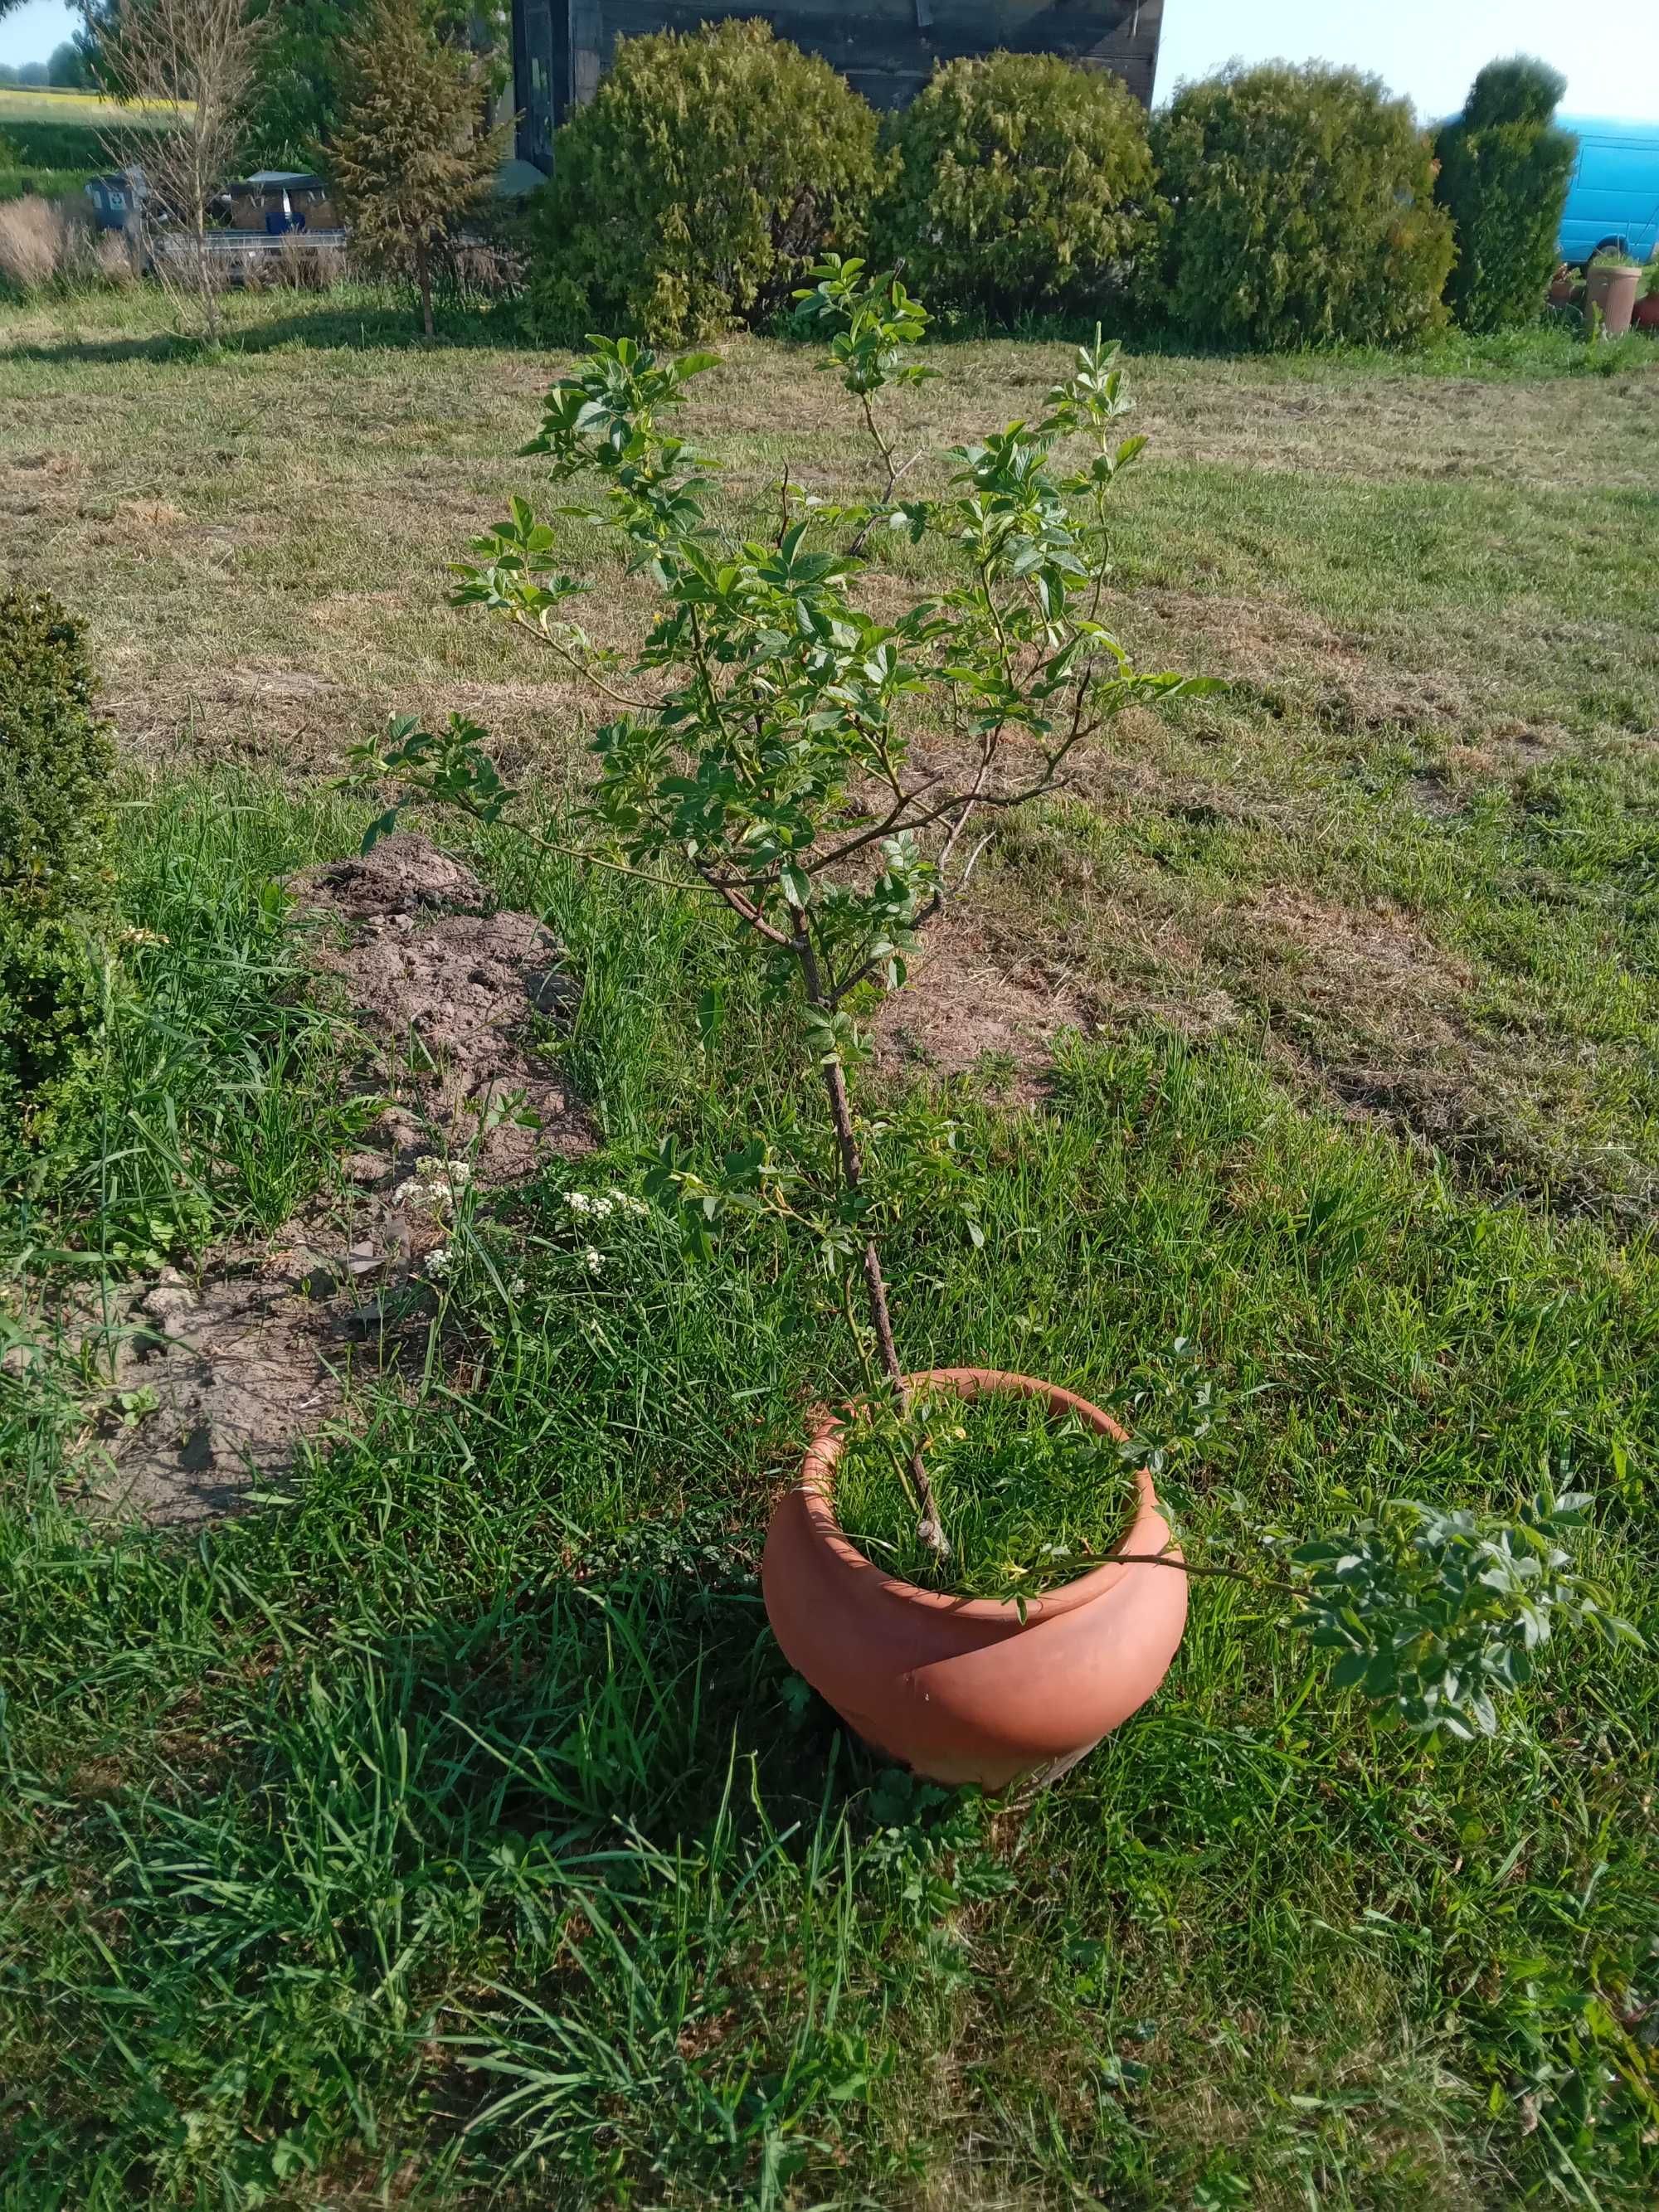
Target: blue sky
<point x="1607" y="49"/>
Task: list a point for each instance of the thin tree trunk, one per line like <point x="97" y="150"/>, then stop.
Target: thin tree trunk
<point x="423" y="278"/>
<point x="930" y="1528"/>
<point x="203" y="273"/>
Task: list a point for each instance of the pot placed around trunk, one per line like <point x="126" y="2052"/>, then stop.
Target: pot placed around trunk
<point x="1613" y="291"/>
<point x="959" y="1689"/>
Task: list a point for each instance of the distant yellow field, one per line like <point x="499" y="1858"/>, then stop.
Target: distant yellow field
<point x="33" y="104"/>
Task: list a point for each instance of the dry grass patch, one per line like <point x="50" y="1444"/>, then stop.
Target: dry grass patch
<point x="1372" y="973"/>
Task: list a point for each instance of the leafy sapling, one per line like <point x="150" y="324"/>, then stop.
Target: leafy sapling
<point x="831" y="778"/>
<point x="764" y="701"/>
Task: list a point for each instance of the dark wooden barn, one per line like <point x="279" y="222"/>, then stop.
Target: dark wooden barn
<point x="886" y="48"/>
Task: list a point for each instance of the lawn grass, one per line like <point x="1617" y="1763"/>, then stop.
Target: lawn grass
<point x="453" y="1834"/>
<point x="1409" y="855"/>
<point x="471" y="1770"/>
<point x="1029" y="1499"/>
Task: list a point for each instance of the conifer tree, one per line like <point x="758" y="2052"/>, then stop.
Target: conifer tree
<point x="1504" y="168"/>
<point x="411" y="153"/>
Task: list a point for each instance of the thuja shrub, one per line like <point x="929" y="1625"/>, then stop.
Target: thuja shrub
<point x="1020" y="183"/>
<point x="56" y="761"/>
<point x="1504" y="168"/>
<point x="704" y="177"/>
<point x="1302" y="211"/>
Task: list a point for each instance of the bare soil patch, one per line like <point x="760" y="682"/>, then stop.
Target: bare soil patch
<point x="215" y="1383"/>
<point x="208" y="1384"/>
<point x="446" y="989"/>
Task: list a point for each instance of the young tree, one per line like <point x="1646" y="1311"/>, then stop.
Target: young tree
<point x="190" y="64"/>
<point x="411" y="153"/>
<point x="764" y="752"/>
<point x="1505" y="168"/>
<point x="298" y="93"/>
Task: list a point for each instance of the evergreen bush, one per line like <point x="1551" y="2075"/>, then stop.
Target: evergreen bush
<point x="705" y="177"/>
<point x="1302" y="211"/>
<point x="1504" y="168"/>
<point x="1022" y="183"/>
<point x="411" y="154"/>
<point x="56" y="761"/>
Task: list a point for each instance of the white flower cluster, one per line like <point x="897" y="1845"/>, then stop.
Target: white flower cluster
<point x="594" y="1258"/>
<point x="606" y="1202"/>
<point x="435" y="1184"/>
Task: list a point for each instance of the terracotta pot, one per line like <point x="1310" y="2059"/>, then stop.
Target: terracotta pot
<point x="958" y="1689"/>
<point x="1644" y="316"/>
<point x="1565" y="287"/>
<point x="1613" y="291"/>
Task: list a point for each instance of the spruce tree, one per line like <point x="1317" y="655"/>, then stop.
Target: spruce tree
<point x="411" y="154"/>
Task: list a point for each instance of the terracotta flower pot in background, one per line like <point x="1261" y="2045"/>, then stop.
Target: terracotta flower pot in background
<point x="960" y="1689"/>
<point x="1644" y="315"/>
<point x="1613" y="289"/>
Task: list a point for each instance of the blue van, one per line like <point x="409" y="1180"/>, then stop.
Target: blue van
<point x="1613" y="198"/>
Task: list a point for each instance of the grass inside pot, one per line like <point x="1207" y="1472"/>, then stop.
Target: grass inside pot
<point x="1030" y="1498"/>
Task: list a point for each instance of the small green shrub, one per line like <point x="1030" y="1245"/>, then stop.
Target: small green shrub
<point x="1302" y="211"/>
<point x="55" y="759"/>
<point x="50" y="1015"/>
<point x="56" y="762"/>
<point x="1021" y="182"/>
<point x="1504" y="168"/>
<point x="694" y="191"/>
<point x="410" y="155"/>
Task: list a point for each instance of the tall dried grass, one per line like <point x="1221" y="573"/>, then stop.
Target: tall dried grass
<point x="117" y="258"/>
<point x="42" y="241"/>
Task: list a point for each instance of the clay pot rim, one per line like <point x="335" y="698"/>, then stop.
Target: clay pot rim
<point x="1147" y="1530"/>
